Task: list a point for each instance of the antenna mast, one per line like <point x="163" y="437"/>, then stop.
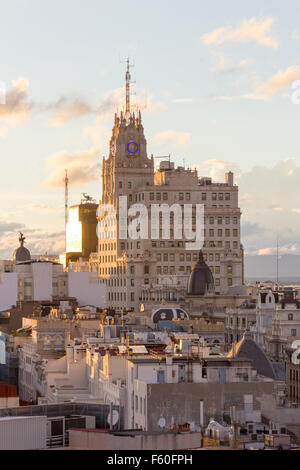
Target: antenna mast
<point x="66" y="205"/>
<point x="277" y="266"/>
<point x="128" y="83"/>
<point x="128" y="77"/>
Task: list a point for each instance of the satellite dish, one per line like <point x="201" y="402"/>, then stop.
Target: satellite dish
<point x="161" y="422"/>
<point x="115" y="417"/>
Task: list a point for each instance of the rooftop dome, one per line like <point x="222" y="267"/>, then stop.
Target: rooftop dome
<point x="21" y="253"/>
<point x="247" y="348"/>
<point x="201" y="280"/>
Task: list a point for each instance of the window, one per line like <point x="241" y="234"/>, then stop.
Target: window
<point x="181" y="257"/>
<point x="235" y="244"/>
<point x="229" y="281"/>
<point x="211" y="232"/>
<point x="220" y="220"/>
<point x="220" y="232"/>
<point x="293" y="332"/>
<point x="146" y="269"/>
<point x="120" y="184"/>
<point x="221" y="196"/>
<point x="188" y="196"/>
<point x="227" y="232"/>
<point x="131" y="269"/>
<point x="158" y="269"/>
<point x="227" y="245"/>
<point x="165" y="196"/>
<point x="229" y="269"/>
<point x="227" y="196"/>
<point x="235" y="232"/>
<point x="188" y="257"/>
<point x="290" y="316"/>
<point x="217" y="258"/>
<point x="227" y="220"/>
<point x="132" y="296"/>
<point x="158" y="256"/>
<point x="235" y="220"/>
<point x="211" y="220"/>
<point x="181" y="196"/>
<point x="129" y="185"/>
<point x="160" y="376"/>
<point x="214" y="196"/>
<point x="211" y="257"/>
<point x="217" y="269"/>
<point x="151" y="196"/>
<point x="172" y="257"/>
<point x="203" y="196"/>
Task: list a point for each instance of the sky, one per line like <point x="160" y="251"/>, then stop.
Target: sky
<point x="214" y="81"/>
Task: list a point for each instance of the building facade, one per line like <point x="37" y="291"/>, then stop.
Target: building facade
<point x="130" y="265"/>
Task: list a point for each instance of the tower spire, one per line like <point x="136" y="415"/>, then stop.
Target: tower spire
<point x="128" y="78"/>
<point x="66" y="181"/>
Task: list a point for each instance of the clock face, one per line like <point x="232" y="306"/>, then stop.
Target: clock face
<point x="132" y="148"/>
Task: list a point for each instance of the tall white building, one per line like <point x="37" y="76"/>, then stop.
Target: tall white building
<point x="127" y="264"/>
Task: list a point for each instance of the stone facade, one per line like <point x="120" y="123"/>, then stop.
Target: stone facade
<point x="130" y="265"/>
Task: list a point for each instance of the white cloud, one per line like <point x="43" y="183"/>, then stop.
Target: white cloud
<point x="216" y="169"/>
<point x="253" y="29"/>
<point x="16" y="108"/>
<point x="175" y="139"/>
<point x="3" y="132"/>
<point x="183" y="100"/>
<point x="223" y="64"/>
<point x="282" y="79"/>
<point x="82" y="167"/>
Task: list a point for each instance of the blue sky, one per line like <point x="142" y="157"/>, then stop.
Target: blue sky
<point x="216" y="77"/>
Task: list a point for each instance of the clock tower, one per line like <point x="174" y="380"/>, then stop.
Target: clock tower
<point x="127" y="167"/>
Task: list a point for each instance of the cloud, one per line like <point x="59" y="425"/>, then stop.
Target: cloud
<point x="251" y="228"/>
<point x="172" y="138"/>
<point x="82" y="167"/>
<point x="6" y="227"/>
<point x="216" y="169"/>
<point x="183" y="100"/>
<point x="16" y="108"/>
<point x="253" y="29"/>
<point x="224" y="65"/>
<point x="68" y="108"/>
<point x="295" y="34"/>
<point x="282" y="79"/>
<point x="279" y="183"/>
<point x="291" y="249"/>
<point x="38" y="241"/>
<point x="3" y="132"/>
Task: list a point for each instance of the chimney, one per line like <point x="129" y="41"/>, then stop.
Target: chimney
<point x="229" y="178"/>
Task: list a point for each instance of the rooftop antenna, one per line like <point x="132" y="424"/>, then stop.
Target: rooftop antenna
<point x="277" y="265"/>
<point x="128" y="83"/>
<point x="66" y="205"/>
